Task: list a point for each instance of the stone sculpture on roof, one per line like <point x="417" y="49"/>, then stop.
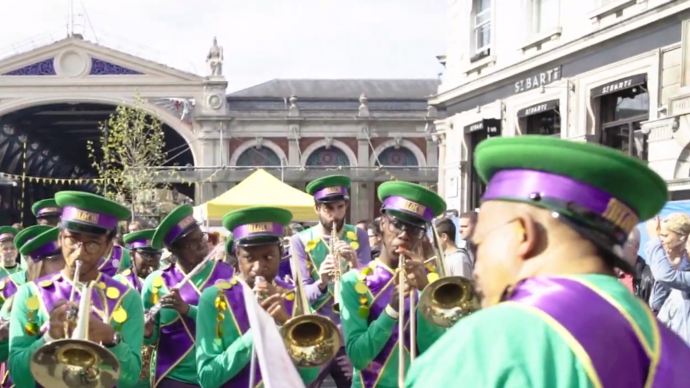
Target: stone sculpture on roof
<point x="214" y="59"/>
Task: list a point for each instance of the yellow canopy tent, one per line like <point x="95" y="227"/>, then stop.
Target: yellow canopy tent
<point x="261" y="189"/>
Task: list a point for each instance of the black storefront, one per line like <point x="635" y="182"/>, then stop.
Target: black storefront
<point x="541" y="119"/>
<point x="623" y="105"/>
<point x="474" y="134"/>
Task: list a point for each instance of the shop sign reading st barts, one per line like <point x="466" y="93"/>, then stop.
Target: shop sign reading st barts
<point x="538" y="80"/>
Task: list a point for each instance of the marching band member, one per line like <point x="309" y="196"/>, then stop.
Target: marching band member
<point x="146" y="259"/>
<point x="87" y="229"/>
<point x="25" y="235"/>
<point x="174" y="327"/>
<point x="550" y="234"/>
<point x="45" y="257"/>
<point x="47" y="212"/>
<point x="370" y="295"/>
<point x="8" y="252"/>
<point x="331" y="201"/>
<point x="224" y="338"/>
<point x="118" y="259"/>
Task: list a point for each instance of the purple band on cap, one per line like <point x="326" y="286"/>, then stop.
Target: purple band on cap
<point x="330" y="192"/>
<point x="105" y="221"/>
<point x="258" y="229"/>
<point x="44" y="251"/>
<point x="49" y="210"/>
<point x="177" y="230"/>
<point x="140" y="244"/>
<point x="410" y="207"/>
<point x="6" y="236"/>
<point x="526" y="184"/>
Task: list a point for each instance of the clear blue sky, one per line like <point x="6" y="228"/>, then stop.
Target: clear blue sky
<point x="262" y="39"/>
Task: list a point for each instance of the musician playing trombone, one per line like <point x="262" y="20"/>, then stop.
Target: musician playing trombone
<point x="173" y="328"/>
<point x="318" y="264"/>
<point x="553" y="222"/>
<point x="40" y="308"/>
<point x="224" y="338"/>
<point x="371" y="295"/>
<point x="44" y="257"/>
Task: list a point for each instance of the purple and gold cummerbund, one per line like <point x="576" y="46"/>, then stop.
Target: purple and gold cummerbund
<point x="140" y="244"/>
<point x="100" y="220"/>
<point x="44" y="251"/>
<point x="49" y="210"/>
<point x="178" y="229"/>
<point x="404" y="205"/>
<point x="530" y="185"/>
<point x="257" y="229"/>
<point x="332" y="191"/>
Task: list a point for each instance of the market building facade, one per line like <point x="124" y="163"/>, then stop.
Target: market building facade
<point x="609" y="72"/>
<point x="55" y="97"/>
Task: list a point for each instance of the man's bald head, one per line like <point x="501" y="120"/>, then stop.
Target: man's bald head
<point x="632" y="246"/>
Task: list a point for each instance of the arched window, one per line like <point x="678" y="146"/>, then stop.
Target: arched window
<point x="323" y="156"/>
<point x="258" y="157"/>
<point x="400" y="157"/>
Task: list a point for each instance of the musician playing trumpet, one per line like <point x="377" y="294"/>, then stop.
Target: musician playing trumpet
<point x="39" y="312"/>
<point x="371" y="295"/>
<point x="318" y="264"/>
<point x="224" y="338"/>
<point x="173" y="328"/>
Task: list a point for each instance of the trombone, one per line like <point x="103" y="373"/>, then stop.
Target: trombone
<point x="75" y="361"/>
<point x="311" y="340"/>
<point x="337" y="271"/>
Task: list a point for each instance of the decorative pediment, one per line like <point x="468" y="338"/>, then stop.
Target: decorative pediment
<point x="76" y="58"/>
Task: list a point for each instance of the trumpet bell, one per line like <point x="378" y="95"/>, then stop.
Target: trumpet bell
<point x="448" y="299"/>
<point x="311" y="340"/>
<point x="72" y="363"/>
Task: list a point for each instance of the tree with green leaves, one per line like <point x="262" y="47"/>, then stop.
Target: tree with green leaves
<point x="131" y="147"/>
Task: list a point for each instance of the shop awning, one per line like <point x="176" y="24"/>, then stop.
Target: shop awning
<point x="539" y="108"/>
<point x="260" y="189"/>
<point x="491" y="126"/>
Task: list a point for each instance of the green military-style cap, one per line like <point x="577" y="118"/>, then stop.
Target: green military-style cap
<point x="228" y="245"/>
<point x="140" y="240"/>
<point x="89" y="213"/>
<point x="410" y="202"/>
<point x="44" y="245"/>
<point x="27" y="234"/>
<point x="8" y="233"/>
<point x="596" y="188"/>
<point x="330" y="188"/>
<point x="179" y="223"/>
<point x="257" y="225"/>
<point x="46" y="208"/>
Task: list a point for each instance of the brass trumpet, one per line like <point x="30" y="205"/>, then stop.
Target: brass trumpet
<point x="75" y="361"/>
<point x="311" y="340"/>
<point x="337" y="273"/>
<point x="448" y="298"/>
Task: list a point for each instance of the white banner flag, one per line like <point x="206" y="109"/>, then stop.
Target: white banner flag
<point x="277" y="368"/>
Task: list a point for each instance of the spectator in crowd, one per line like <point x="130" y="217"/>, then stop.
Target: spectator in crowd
<point x="295" y="228"/>
<point x="458" y="259"/>
<point x="665" y="250"/>
<point x="667" y="240"/>
<point x="134" y="227"/>
<point x="18" y="226"/>
<point x="212" y="241"/>
<point x="363" y="224"/>
<point x="375" y="236"/>
<point x="453" y="213"/>
<point x="467" y="222"/>
<point x="641" y="282"/>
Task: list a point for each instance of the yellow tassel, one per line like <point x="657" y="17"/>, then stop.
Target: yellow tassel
<point x="154" y="296"/>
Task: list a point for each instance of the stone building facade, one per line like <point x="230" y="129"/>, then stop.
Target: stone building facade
<point x="299" y="130"/>
<point x="611" y="72"/>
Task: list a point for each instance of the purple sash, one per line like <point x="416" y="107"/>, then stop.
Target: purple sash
<point x="235" y="297"/>
<point x="111" y="265"/>
<point x="177" y="338"/>
<point x="10" y="288"/>
<point x="617" y="356"/>
<point x="381" y="284"/>
<point x="59" y="289"/>
<point x="133" y="280"/>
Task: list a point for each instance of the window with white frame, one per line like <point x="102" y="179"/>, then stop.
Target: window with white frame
<point x="482" y="25"/>
<point x="545" y="15"/>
